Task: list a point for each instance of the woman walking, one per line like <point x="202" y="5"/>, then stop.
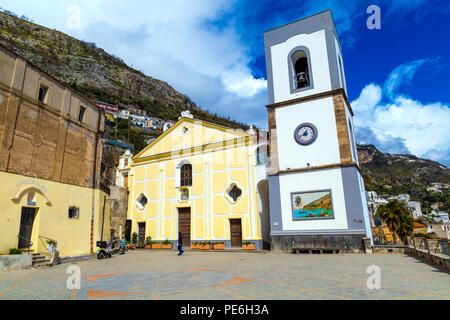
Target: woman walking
<point x="180" y="244"/>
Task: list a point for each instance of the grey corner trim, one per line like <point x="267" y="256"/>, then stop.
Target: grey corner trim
<point x="291" y="68"/>
<point x="275" y="203"/>
<point x="269" y="74"/>
<point x="352" y="196"/>
<point x="317" y="232"/>
<point x="316" y="218"/>
<point x="306" y="124"/>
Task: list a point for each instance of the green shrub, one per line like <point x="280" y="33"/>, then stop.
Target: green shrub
<point x="134" y="238"/>
<point x="247" y="243"/>
<point x="148" y="240"/>
<point x="15" y="251"/>
<point x="156" y="242"/>
<point x="166" y="242"/>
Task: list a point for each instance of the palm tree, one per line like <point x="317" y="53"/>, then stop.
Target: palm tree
<point x="397" y="218"/>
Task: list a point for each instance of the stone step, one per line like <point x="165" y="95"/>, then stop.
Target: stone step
<point x="42" y="264"/>
<point x="40" y="259"/>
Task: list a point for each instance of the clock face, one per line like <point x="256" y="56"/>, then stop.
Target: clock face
<point x="305" y="134"/>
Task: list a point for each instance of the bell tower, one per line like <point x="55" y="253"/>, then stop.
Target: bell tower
<point x="316" y="190"/>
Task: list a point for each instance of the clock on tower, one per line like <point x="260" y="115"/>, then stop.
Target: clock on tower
<point x="316" y="190"/>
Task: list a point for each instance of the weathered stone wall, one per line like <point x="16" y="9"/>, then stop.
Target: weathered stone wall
<point x="46" y="140"/>
<point x="118" y="212"/>
<point x="344" y="242"/>
<point x="342" y="129"/>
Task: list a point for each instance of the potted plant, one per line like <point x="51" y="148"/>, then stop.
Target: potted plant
<point x="167" y="244"/>
<point x="247" y="245"/>
<point x="135" y="239"/>
<point x="220" y="245"/>
<point x="148" y="242"/>
<point x="15" y="251"/>
<point x="205" y="245"/>
<point x="194" y="245"/>
<point x="156" y="245"/>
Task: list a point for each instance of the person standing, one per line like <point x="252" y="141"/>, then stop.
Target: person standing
<point x="180" y="244"/>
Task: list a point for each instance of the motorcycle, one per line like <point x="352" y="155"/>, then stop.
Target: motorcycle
<point x="122" y="247"/>
<point x="104" y="250"/>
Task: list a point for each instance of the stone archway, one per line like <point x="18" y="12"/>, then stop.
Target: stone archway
<point x="264" y="213"/>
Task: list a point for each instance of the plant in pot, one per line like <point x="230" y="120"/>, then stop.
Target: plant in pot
<point x="205" y="245"/>
<point x="194" y="245"/>
<point x="148" y="242"/>
<point x="248" y="245"/>
<point x="220" y="245"/>
<point x="167" y="244"/>
<point x="135" y="239"/>
<point x="15" y="251"/>
<point x="156" y="245"/>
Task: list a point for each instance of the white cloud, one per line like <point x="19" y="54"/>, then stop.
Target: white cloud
<point x="174" y="41"/>
<point x="402" y="124"/>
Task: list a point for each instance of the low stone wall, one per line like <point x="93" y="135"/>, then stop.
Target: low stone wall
<point x="15" y="262"/>
<point x="388" y="249"/>
<point x="351" y="243"/>
<point x="433" y="258"/>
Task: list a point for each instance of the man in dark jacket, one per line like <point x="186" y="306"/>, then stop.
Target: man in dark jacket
<point x="180" y="244"/>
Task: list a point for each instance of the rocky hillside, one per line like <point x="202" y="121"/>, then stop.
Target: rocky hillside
<point x="391" y="174"/>
<point x="95" y="73"/>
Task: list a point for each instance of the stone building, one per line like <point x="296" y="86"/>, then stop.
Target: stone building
<point x="50" y="157"/>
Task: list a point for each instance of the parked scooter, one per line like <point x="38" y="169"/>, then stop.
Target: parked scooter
<point x="104" y="250"/>
<point x="123" y="247"/>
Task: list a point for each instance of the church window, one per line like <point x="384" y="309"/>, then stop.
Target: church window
<point x="142" y="201"/>
<point x="262" y="154"/>
<point x="185" y="130"/>
<point x="186" y="175"/>
<point x="234" y="192"/>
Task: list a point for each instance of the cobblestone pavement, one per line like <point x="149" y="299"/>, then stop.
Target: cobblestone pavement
<point x="231" y="275"/>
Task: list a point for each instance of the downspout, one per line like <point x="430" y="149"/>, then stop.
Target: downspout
<point x="94" y="179"/>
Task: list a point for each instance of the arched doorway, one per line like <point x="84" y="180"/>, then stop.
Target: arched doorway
<point x="264" y="214"/>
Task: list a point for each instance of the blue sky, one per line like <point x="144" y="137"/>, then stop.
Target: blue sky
<point x="398" y="78"/>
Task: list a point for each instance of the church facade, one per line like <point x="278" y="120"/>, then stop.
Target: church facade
<point x="300" y="189"/>
<point x="197" y="178"/>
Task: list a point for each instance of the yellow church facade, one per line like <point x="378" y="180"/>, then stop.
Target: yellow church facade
<point x="197" y="178"/>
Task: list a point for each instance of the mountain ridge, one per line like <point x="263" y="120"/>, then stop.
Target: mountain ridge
<point x="97" y="74"/>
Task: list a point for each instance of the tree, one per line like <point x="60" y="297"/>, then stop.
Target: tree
<point x="397" y="217"/>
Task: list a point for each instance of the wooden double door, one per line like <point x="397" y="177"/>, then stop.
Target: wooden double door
<point x="236" y="232"/>
<point x="184" y="225"/>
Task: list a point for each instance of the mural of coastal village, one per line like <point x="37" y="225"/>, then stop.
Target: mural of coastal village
<point x="312" y="205"/>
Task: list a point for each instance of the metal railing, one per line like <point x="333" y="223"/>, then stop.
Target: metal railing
<point x="53" y="240"/>
<point x="30" y="243"/>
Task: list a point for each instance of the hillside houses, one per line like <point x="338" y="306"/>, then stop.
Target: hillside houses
<point x="438" y="224"/>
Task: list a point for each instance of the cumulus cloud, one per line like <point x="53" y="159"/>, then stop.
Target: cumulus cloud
<point x="175" y="41"/>
<point x="397" y="123"/>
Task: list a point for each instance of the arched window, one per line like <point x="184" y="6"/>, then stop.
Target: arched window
<point x="262" y="154"/>
<point x="186" y="175"/>
<point x="300" y="69"/>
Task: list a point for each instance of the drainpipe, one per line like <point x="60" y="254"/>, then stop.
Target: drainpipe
<point x="94" y="179"/>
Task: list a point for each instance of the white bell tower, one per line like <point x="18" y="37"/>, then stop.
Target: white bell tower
<point x="316" y="190"/>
